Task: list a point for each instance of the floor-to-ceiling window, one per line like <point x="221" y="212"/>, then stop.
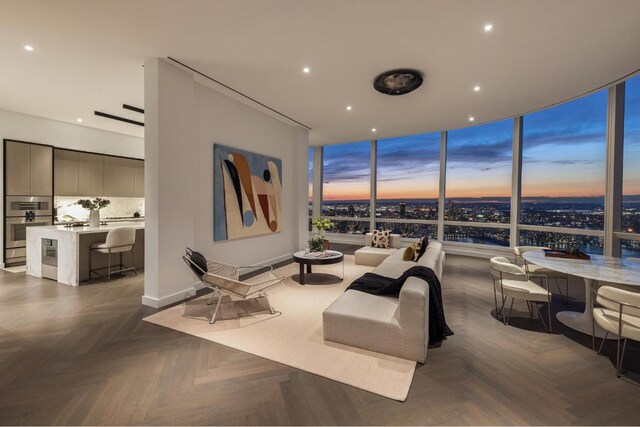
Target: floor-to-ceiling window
<point x="630" y="243"/>
<point x="478" y="183"/>
<point x="346" y="186"/>
<point x="407" y="184"/>
<point x="563" y="175"/>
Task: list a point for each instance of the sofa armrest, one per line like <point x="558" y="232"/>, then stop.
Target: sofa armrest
<point x="368" y="237"/>
<point x="414" y="317"/>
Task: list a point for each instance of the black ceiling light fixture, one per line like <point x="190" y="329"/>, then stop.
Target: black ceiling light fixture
<point x="398" y="82"/>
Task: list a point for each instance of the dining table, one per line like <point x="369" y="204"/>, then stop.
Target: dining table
<point x="598" y="268"/>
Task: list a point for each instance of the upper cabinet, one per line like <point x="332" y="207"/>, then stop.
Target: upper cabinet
<point x="65" y="173"/>
<point x="139" y="178"/>
<point x="18" y="168"/>
<point x="90" y="173"/>
<point x="119" y="177"/>
<point x="29" y="169"/>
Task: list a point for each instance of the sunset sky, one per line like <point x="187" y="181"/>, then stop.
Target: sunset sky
<point x="563" y="155"/>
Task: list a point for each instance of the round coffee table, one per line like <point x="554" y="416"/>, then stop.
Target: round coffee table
<point x="317" y="258"/>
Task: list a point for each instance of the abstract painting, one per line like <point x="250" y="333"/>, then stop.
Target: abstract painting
<point x="247" y="192"/>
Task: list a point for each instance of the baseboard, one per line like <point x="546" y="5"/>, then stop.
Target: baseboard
<point x="191" y="291"/>
<point x="173" y="298"/>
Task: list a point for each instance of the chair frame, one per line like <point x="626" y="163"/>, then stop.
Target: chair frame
<point x="218" y="291"/>
<point x="123" y="268"/>
<point x="619" y="355"/>
<point x="500" y="311"/>
<point x="525" y="264"/>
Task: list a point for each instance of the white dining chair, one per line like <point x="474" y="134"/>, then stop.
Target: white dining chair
<point x="512" y="281"/>
<point x="538" y="272"/>
<point x="619" y="314"/>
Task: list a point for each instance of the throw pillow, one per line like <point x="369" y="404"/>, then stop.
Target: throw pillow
<point x="423" y="248"/>
<point x="409" y="253"/>
<point x="381" y="239"/>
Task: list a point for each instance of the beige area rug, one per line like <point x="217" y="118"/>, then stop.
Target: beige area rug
<point x="293" y="336"/>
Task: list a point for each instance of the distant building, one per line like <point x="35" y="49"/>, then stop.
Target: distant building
<point x="403" y="210"/>
<point x="352" y="210"/>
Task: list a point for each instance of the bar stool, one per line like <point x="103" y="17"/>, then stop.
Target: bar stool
<point x="118" y="241"/>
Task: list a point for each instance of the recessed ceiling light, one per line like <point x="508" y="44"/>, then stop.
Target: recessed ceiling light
<point x="488" y="27"/>
<point x="476" y="88"/>
<point x="348" y="107"/>
<point x="28" y="48"/>
<point x="373" y="129"/>
<point x="306" y="70"/>
<point x="79" y="120"/>
<point x="471" y="118"/>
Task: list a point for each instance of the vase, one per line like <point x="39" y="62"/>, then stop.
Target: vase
<point x="94" y="218"/>
<point x="321" y="233"/>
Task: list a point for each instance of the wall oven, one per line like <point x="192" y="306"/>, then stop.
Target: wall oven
<point x="23" y="212"/>
<point x="20" y="206"/>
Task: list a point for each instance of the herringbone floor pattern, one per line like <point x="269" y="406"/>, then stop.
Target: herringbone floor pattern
<point x="84" y="356"/>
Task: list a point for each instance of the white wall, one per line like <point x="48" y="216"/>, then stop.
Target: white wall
<point x="23" y="127"/>
<point x="183" y="121"/>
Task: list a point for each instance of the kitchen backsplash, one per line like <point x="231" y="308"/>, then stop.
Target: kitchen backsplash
<point x="120" y="207"/>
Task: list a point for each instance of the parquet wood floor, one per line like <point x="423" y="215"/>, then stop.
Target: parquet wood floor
<point x="84" y="356"/>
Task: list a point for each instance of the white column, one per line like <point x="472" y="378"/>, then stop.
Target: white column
<point x="443" y="186"/>
<point x="516" y="180"/>
<point x="169" y="226"/>
<point x="613" y="187"/>
<point x="301" y="209"/>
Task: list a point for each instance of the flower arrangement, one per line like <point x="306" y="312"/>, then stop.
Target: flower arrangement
<point x="322" y="224"/>
<point x="95" y="204"/>
<point x="316" y="244"/>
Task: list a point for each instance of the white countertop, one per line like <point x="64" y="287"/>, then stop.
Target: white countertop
<point x="87" y="229"/>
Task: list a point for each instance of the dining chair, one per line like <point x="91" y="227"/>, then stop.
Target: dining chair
<point x="619" y="314"/>
<point x="511" y="280"/>
<point x="539" y="272"/>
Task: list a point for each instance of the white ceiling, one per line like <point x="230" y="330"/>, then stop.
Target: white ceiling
<point x="89" y="56"/>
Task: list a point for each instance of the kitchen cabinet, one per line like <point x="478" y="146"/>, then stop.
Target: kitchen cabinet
<point x="90" y="175"/>
<point x="41" y="170"/>
<point x="119" y="177"/>
<point x="29" y="169"/>
<point x="66" y="172"/>
<point x="18" y="168"/>
<point x="139" y="178"/>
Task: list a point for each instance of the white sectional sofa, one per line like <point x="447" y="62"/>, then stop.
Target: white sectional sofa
<point x="394" y="326"/>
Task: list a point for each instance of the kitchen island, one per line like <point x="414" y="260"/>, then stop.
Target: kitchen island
<point x="73" y="249"/>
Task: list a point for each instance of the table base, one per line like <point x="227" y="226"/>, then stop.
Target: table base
<point x="581" y="322"/>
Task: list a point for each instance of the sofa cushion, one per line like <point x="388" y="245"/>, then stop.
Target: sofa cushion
<point x="364" y="320"/>
<point x="373" y="256"/>
<point x="395" y="241"/>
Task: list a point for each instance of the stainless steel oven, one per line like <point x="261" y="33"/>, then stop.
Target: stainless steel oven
<point x="20" y="206"/>
<point x="16" y="229"/>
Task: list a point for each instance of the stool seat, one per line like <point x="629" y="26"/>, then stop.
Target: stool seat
<point x="103" y="248"/>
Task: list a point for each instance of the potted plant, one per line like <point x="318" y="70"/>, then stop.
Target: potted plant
<point x="316" y="244"/>
<point x="322" y="225"/>
<point x="94" y="206"/>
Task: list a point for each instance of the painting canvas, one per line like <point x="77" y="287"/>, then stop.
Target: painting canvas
<point x="247" y="193"/>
